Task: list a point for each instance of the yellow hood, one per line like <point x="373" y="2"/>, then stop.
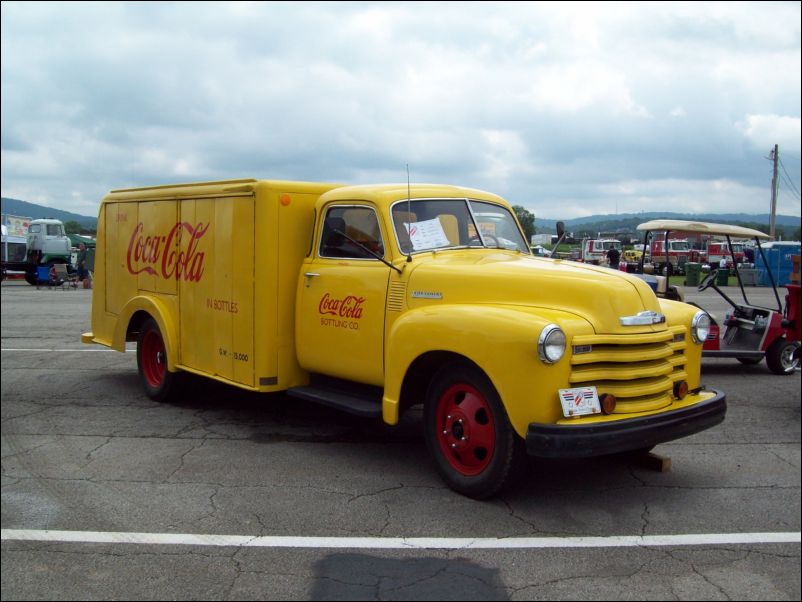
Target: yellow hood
<point x="602" y="296"/>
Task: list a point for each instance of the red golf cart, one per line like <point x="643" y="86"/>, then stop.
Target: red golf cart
<point x="749" y="332"/>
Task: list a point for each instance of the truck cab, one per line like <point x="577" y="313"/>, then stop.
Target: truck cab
<point x="718" y="250"/>
<point x="670" y="256"/>
<point x="47" y="242"/>
<point x="595" y="250"/>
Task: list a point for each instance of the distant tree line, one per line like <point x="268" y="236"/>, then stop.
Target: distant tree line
<point x="73" y="227"/>
<point x="626" y="228"/>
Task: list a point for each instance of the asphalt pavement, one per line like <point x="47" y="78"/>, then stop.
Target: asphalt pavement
<point x="228" y="495"/>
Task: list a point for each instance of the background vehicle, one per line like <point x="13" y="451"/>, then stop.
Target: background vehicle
<point x="750" y="332"/>
<point x="13" y="252"/>
<point x="669" y="255"/>
<point x="632" y="256"/>
<point x="594" y="250"/>
<point x="719" y="249"/>
<point x="44" y="244"/>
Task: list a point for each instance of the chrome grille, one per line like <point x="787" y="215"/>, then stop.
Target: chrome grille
<point x="640" y="370"/>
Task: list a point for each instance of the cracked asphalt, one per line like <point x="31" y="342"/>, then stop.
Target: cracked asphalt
<point x="83" y="449"/>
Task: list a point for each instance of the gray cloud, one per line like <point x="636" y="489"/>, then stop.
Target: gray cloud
<point x="565" y="108"/>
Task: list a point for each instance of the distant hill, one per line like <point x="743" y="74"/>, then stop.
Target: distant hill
<point x="787" y="225"/>
<point x="26" y="209"/>
<point x="726" y="218"/>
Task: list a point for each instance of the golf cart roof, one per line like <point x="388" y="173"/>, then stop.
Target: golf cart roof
<point x="679" y="225"/>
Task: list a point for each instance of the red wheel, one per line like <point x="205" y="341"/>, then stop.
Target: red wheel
<point x="151" y="358"/>
<point x="465" y="429"/>
<point x="154" y="359"/>
<point x="475" y="449"/>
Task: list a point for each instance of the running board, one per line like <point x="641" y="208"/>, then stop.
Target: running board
<point x="340" y="400"/>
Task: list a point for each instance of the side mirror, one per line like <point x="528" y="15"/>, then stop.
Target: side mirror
<point x="560" y="229"/>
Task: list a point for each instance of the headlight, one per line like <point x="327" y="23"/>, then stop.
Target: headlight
<point x="700" y="327"/>
<point x="551" y="344"/>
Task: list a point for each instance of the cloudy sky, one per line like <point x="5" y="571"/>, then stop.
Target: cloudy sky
<point x="569" y="109"/>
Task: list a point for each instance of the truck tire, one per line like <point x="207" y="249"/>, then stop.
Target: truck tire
<point x="474" y="447"/>
<point x="151" y="360"/>
<point x="782" y="356"/>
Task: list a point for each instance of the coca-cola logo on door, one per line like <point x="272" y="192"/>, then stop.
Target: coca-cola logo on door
<point x="157" y="256"/>
<point x="346" y="311"/>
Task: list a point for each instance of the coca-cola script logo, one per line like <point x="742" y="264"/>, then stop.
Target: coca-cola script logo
<point x="349" y="307"/>
<point x="157" y="254"/>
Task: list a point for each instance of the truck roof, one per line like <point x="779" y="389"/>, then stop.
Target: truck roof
<point x="381" y="194"/>
<point x="214" y="188"/>
<point x="386" y="194"/>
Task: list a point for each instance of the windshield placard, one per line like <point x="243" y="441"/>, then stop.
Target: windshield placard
<point x="428" y="234"/>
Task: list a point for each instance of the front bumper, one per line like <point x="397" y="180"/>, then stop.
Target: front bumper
<point x="602" y="438"/>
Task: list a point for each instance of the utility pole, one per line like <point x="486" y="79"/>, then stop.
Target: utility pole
<point x="775" y="155"/>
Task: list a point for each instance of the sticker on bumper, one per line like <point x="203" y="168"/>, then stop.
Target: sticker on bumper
<point x="580" y="401"/>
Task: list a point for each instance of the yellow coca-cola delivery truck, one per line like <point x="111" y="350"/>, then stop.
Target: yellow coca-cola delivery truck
<point x="373" y="299"/>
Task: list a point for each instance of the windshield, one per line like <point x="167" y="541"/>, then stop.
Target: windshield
<point x="611" y="244"/>
<point x="422" y="225"/>
<point x="679" y="245"/>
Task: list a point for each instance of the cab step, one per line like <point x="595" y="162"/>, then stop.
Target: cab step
<point x="360" y="400"/>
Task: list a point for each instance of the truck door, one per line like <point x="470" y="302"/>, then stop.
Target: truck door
<point x="342" y="293"/>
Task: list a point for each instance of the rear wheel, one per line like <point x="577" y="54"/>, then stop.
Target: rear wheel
<point x="151" y="358"/>
<point x="475" y="449"/>
<point x="783" y="356"/>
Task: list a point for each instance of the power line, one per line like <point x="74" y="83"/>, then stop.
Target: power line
<point x="791" y="187"/>
<point x="788" y="179"/>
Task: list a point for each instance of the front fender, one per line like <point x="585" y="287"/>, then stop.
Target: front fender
<point x="502" y="341"/>
<point x="160" y="311"/>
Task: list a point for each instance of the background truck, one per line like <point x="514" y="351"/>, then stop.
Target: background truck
<point x="669" y="257"/>
<point x="42" y="243"/>
<point x="374" y="299"/>
<point x="13" y="252"/>
<point x="718" y="249"/>
<point x="14" y="244"/>
<point x="594" y="250"/>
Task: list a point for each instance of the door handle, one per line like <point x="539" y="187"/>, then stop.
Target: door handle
<point x="309" y="276"/>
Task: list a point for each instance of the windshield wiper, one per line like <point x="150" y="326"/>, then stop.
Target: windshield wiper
<point x="368" y="250"/>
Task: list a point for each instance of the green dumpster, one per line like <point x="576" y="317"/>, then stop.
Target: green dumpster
<point x="748" y="276"/>
<point x="723" y="277"/>
<point x="692" y="272"/>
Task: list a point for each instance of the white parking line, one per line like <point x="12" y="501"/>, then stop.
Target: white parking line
<point x="91" y="349"/>
<point x="400" y="543"/>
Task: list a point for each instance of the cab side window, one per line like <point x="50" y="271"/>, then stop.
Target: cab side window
<point x="351" y="232"/>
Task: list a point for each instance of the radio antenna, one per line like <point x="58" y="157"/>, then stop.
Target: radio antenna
<point x="409" y="217"/>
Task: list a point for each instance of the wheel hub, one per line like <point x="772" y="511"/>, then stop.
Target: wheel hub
<point x="466" y="432"/>
<point x="456" y="430"/>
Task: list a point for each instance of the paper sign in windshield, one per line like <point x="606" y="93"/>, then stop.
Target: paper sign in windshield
<point x="428" y="234"/>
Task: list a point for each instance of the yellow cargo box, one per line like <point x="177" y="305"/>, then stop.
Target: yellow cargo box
<point x="215" y="265"/>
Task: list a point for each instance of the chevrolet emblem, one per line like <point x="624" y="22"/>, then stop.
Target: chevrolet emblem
<point x="643" y="318"/>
